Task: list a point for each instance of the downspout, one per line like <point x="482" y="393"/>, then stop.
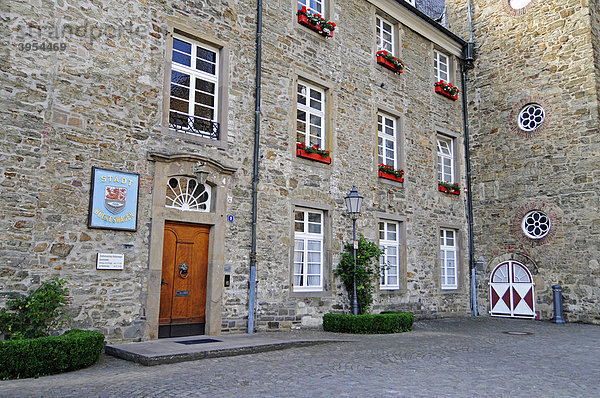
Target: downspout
<point x="252" y="295"/>
<point x="469" y="52"/>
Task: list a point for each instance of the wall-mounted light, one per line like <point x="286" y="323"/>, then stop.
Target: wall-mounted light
<point x="200" y="173"/>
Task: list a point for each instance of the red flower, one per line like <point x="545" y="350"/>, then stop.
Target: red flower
<point x="333" y="24"/>
<point x="304" y="9"/>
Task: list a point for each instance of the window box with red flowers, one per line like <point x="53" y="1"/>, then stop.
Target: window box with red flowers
<point x="447" y="187"/>
<point x="390" y="62"/>
<point x="447" y="90"/>
<point x="313" y="153"/>
<point x="316" y="22"/>
<point x="389" y="173"/>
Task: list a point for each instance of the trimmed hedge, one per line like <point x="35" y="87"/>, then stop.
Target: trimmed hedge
<point x="73" y="350"/>
<point x="386" y="322"/>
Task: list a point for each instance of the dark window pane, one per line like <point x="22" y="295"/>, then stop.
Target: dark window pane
<point x="180" y="92"/>
<point x="182" y="46"/>
<point x="203" y="112"/>
<point x="178" y="119"/>
<point x="208" y="55"/>
<point x="206" y="99"/>
<point x="205" y="86"/>
<point x="180" y="78"/>
<point x="205" y="66"/>
<point x="182" y="59"/>
<point x="179" y="105"/>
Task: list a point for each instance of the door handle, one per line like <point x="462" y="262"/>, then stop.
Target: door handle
<point x="162" y="281"/>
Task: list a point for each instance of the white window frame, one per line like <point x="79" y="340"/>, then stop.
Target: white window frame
<point x="449" y="257"/>
<point x="300" y="268"/>
<point x="380" y="31"/>
<point x="387" y="132"/>
<point x="312" y="112"/>
<point x="386" y="244"/>
<point x="411" y="2"/>
<point x="316" y="6"/>
<point x="195" y="74"/>
<point x="441" y="66"/>
<point x="445" y="153"/>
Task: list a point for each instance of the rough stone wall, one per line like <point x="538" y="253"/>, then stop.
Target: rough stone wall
<point x="545" y="53"/>
<point x="99" y="102"/>
<point x="346" y="63"/>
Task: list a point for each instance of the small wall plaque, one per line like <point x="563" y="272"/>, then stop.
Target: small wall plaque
<point x="182" y="293"/>
<point x="110" y="261"/>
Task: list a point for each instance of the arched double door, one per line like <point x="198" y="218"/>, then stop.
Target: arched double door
<point x="512" y="291"/>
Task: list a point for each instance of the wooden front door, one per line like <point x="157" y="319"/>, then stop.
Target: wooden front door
<point x="183" y="284"/>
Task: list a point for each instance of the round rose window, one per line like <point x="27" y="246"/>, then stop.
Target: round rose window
<point x="536" y="224"/>
<point x="531" y="117"/>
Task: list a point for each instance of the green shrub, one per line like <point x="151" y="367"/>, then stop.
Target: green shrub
<point x="73" y="350"/>
<point x="367" y="272"/>
<point x="35" y="314"/>
<point x="389" y="322"/>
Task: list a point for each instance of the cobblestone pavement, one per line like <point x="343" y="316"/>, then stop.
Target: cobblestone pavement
<point x="460" y="357"/>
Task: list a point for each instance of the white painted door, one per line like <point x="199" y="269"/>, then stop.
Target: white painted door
<point x="512" y="291"/>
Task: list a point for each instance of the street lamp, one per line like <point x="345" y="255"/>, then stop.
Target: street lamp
<point x="353" y="204"/>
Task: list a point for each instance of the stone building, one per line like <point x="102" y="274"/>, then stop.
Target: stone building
<point x="535" y="149"/>
<point x="128" y="160"/>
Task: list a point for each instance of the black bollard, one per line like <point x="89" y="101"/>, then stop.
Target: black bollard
<point x="558" y="311"/>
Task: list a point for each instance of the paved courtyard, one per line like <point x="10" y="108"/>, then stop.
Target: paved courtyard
<point x="466" y="357"/>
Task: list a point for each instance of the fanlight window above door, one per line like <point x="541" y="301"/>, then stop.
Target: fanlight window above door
<point x="187" y="194"/>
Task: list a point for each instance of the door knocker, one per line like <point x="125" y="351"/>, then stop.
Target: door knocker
<point x="183" y="270"/>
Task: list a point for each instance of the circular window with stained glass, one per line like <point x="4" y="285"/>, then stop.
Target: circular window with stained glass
<point x="536" y="224"/>
<point x="531" y="117"/>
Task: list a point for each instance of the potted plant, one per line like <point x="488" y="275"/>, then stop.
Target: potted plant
<point x="449" y="188"/>
<point x="315" y="22"/>
<point x="313" y="152"/>
<point x="389" y="173"/>
<point x="390" y="62"/>
<point x="447" y="90"/>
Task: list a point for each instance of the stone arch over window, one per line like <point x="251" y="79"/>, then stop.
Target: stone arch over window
<point x="529" y="107"/>
<point x="552" y="224"/>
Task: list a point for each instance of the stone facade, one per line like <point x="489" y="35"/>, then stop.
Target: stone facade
<point x="103" y="100"/>
<point x="544" y="53"/>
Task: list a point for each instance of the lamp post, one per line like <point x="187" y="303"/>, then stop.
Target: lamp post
<point x="353" y="204"/>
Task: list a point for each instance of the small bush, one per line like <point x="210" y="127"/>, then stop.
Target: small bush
<point x="73" y="350"/>
<point x="35" y="314"/>
<point x="389" y="322"/>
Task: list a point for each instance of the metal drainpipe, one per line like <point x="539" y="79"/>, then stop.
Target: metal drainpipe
<point x="469" y="57"/>
<point x="252" y="296"/>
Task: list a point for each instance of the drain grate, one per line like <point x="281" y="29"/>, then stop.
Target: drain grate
<point x="515" y="333"/>
<point x="198" y="341"/>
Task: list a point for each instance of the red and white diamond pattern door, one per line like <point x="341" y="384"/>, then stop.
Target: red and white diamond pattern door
<point x="512" y="291"/>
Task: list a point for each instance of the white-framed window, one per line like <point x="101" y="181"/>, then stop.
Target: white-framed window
<point x="448" y="258"/>
<point x="387" y="152"/>
<point x="441" y="66"/>
<point x="308" y="250"/>
<point x="316" y="6"/>
<point x="385" y="35"/>
<point x="389" y="242"/>
<point x="194" y="88"/>
<point x="310" y="115"/>
<point x="445" y="159"/>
